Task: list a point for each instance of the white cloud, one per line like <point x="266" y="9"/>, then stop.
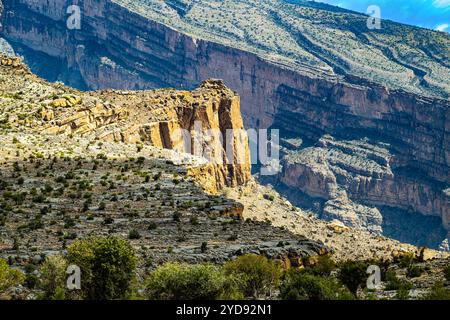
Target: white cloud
<point x="441" y="3"/>
<point x="442" y="27"/>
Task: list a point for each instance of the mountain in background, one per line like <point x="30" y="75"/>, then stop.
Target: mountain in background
<point x="430" y="14"/>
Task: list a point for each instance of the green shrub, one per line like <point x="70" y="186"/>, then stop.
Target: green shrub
<point x="174" y="281"/>
<point x="402" y="293"/>
<point x="102" y="206"/>
<point x="322" y="266"/>
<point x="353" y="274"/>
<point x="9" y="277"/>
<point x="301" y="285"/>
<point x="108" y="267"/>
<point x="258" y="275"/>
<point x="447" y="272"/>
<point x="108" y="220"/>
<point x="31" y="281"/>
<point x="406" y="260"/>
<point x="437" y="292"/>
<point x="414" y="271"/>
<point x="194" y="220"/>
<point x="53" y="277"/>
<point x="134" y="234"/>
<point x="36" y="223"/>
<point x="177" y="216"/>
<point x="394" y="283"/>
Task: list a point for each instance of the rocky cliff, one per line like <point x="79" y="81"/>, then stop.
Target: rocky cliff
<point x="80" y="164"/>
<point x="374" y="127"/>
<point x="206" y="122"/>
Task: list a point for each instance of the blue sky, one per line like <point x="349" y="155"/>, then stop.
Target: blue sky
<point x="432" y="14"/>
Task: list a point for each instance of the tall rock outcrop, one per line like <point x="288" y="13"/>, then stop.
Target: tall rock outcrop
<point x="206" y="123"/>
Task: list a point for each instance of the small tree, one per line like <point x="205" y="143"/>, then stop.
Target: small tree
<point x="175" y="281"/>
<point x="107" y="265"/>
<point x="9" y="277"/>
<point x="53" y="277"/>
<point x="394" y="283"/>
<point x="301" y="285"/>
<point x="437" y="292"/>
<point x="322" y="266"/>
<point x="204" y="247"/>
<point x="259" y="276"/>
<point x="414" y="271"/>
<point x="353" y="274"/>
<point x="134" y="234"/>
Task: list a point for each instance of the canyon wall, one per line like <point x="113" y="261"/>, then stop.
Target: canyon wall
<point x="117" y="48"/>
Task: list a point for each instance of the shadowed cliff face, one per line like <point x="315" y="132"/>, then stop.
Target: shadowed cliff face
<point x="363" y="142"/>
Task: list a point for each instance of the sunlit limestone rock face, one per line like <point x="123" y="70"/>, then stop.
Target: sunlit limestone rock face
<point x="371" y="107"/>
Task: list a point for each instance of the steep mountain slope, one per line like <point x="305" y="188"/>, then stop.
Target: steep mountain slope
<point x="364" y="114"/>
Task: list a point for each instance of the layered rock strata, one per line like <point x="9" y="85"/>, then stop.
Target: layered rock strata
<point x="118" y="48"/>
<point x="206" y="122"/>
